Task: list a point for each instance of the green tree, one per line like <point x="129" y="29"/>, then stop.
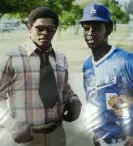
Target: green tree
<point x="17" y="6"/>
<point x="68" y="11"/>
<point x="117" y="14"/>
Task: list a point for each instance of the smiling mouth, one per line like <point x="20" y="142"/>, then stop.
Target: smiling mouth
<point x="43" y="39"/>
<point x="90" y="41"/>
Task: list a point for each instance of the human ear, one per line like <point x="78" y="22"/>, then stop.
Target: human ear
<point x="29" y="27"/>
<point x="109" y="30"/>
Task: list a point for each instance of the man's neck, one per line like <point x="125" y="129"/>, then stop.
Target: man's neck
<point x="101" y="51"/>
<point x="44" y="48"/>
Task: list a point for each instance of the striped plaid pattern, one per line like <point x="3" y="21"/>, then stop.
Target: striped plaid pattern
<point x="19" y="79"/>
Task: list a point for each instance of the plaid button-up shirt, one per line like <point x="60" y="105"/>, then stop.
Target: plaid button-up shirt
<point x="19" y="83"/>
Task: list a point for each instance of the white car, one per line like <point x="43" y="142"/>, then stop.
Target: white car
<point x="6" y="28"/>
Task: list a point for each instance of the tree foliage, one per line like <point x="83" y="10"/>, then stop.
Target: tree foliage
<point x="17" y="6"/>
<point x="117" y="14"/>
<point x="68" y="11"/>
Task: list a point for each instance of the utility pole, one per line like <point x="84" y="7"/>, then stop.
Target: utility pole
<point x="114" y="2"/>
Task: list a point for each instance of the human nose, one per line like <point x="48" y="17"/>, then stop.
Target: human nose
<point x="90" y="31"/>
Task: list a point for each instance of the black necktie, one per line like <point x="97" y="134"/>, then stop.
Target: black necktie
<point x="47" y="86"/>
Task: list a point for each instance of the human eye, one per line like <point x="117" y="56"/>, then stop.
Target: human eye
<point x="51" y="29"/>
<point x="40" y="29"/>
<point x="97" y="27"/>
<point x="86" y="28"/>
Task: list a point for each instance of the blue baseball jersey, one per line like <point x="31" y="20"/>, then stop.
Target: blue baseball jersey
<point x="111" y="75"/>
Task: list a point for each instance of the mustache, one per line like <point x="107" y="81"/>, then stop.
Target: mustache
<point x="44" y="37"/>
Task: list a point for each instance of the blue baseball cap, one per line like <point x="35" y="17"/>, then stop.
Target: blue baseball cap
<point x="95" y="12"/>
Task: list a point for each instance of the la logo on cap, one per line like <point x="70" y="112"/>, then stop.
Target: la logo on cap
<point x="92" y="10"/>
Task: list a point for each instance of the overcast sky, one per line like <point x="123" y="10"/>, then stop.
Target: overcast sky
<point x="120" y="1"/>
<point x="123" y="1"/>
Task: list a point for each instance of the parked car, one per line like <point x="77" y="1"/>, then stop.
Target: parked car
<point x="6" y="28"/>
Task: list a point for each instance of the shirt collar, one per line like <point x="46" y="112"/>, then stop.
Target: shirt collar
<point x="104" y="57"/>
<point x="31" y="47"/>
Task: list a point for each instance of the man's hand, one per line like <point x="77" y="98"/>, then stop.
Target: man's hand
<point x="21" y="133"/>
<point x="120" y="105"/>
<point x="129" y="142"/>
<point x="73" y="109"/>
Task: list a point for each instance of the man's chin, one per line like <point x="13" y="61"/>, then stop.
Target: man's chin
<point x="91" y="45"/>
<point x="44" y="44"/>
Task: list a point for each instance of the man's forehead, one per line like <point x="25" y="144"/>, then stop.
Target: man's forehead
<point x="44" y="22"/>
<point x="39" y="25"/>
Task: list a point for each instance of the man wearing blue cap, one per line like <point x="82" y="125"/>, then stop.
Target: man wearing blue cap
<point x="107" y="80"/>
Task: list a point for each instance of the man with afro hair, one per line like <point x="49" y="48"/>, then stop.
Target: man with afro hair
<point x="35" y="96"/>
